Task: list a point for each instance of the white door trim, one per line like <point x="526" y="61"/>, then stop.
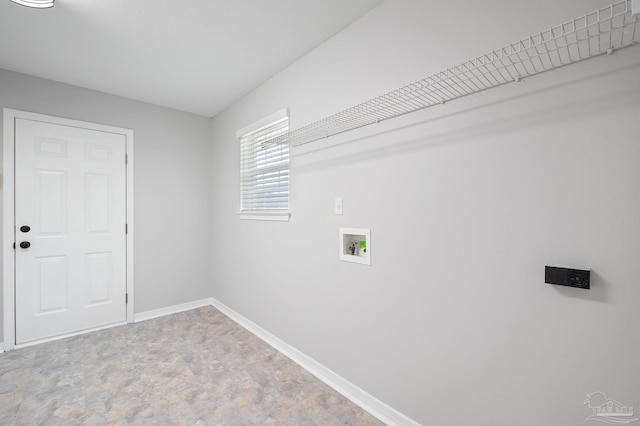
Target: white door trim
<point x="8" y="221"/>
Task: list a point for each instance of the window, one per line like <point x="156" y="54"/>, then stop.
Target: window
<point x="264" y="169"/>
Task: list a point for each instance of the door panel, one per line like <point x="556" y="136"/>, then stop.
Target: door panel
<point x="98" y="203"/>
<point x="99" y="277"/>
<point x="71" y="191"/>
<point x="51" y="201"/>
<point x="51" y="286"/>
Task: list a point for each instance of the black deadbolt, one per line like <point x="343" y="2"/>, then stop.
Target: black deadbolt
<point x="25" y="228"/>
<point x="25" y="244"/>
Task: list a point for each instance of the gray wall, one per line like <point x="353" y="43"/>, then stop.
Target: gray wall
<point x="452" y="323"/>
<point x="171" y="177"/>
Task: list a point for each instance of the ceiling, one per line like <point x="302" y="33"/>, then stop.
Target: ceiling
<point x="197" y="56"/>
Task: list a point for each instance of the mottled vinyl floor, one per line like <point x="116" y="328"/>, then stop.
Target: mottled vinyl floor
<point x="193" y="368"/>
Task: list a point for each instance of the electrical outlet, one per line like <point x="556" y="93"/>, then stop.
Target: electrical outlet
<point x="338" y="205"/>
<point x="578" y="278"/>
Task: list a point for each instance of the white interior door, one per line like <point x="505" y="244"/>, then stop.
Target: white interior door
<point x="70" y="216"/>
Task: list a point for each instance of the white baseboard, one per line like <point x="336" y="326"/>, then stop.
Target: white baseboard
<point x="374" y="406"/>
<point x="143" y="316"/>
<point x="1" y="347"/>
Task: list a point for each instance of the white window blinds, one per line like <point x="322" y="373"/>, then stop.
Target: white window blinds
<point x="264" y="169"/>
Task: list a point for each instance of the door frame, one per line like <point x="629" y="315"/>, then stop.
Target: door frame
<point x="8" y="210"/>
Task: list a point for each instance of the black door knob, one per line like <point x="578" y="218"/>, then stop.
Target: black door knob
<point x="25" y="244"/>
<point x="25" y="228"/>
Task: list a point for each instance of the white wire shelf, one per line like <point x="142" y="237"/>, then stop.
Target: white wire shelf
<point x="593" y="34"/>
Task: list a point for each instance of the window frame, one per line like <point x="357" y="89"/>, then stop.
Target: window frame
<point x="281" y="215"/>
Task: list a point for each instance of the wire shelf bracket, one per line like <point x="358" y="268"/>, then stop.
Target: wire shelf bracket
<point x="596" y="33"/>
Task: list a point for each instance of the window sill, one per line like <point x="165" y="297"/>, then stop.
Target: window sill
<point x="277" y="216"/>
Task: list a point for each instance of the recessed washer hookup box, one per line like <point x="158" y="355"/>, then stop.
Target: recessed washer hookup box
<point x="578" y="278"/>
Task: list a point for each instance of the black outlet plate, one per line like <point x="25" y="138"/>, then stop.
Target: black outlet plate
<point x="578" y="278"/>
